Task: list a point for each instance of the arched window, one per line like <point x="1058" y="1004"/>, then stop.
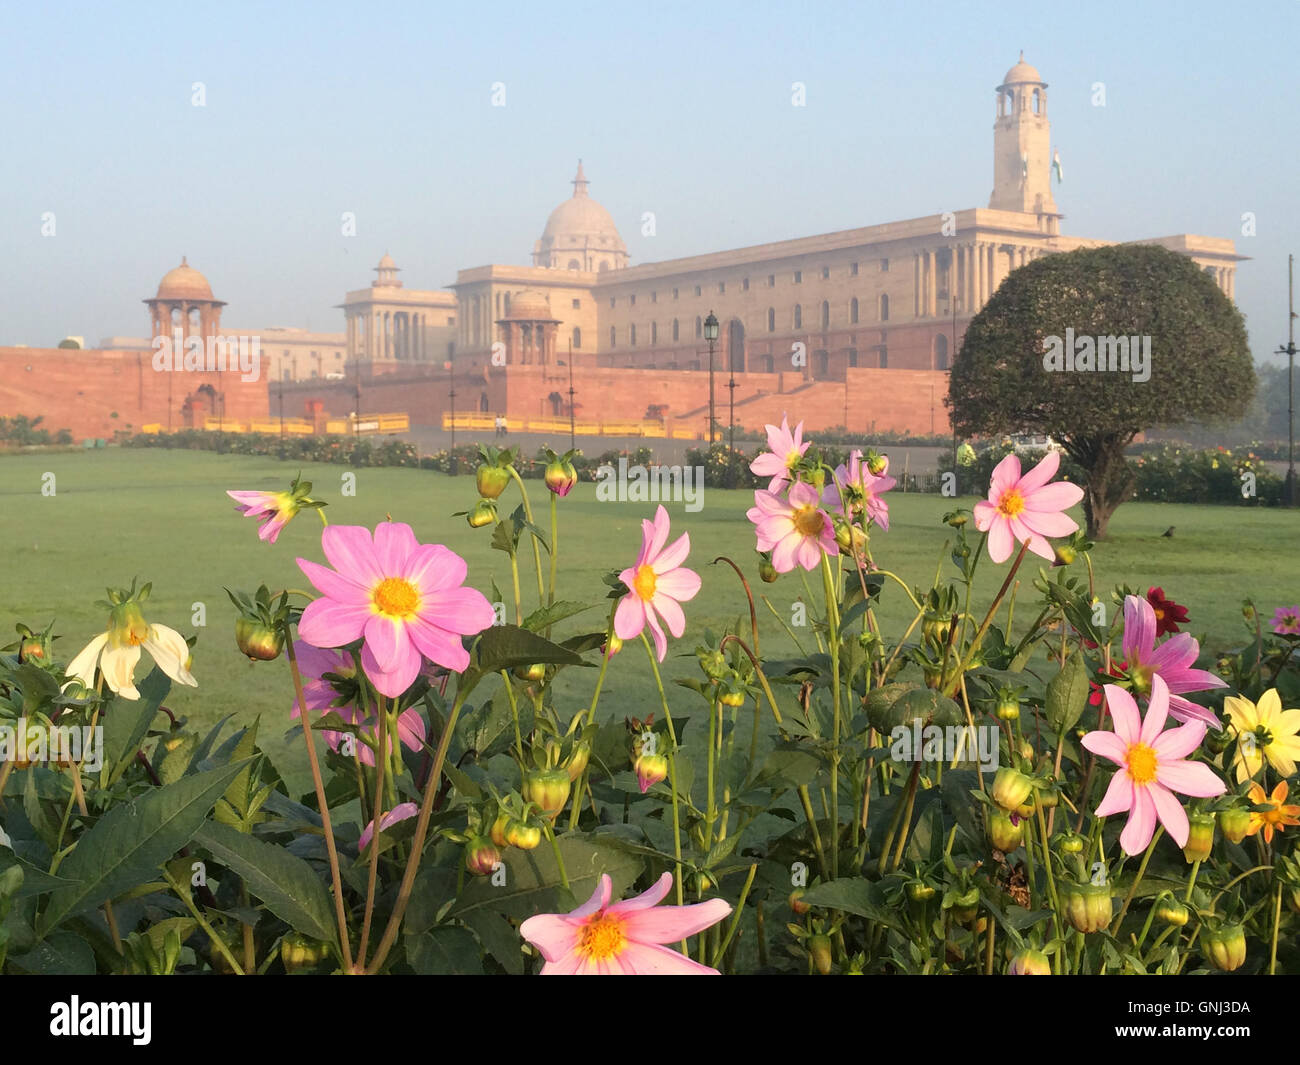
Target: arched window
<point x="884" y="308"/>
<point x="676" y="330"/>
<point x="699" y="326"/>
<point x="853" y="358"/>
<point x="798" y="316"/>
<point x="771" y="319"/>
<point x="574" y="264"/>
<point x="826" y="314"/>
<point x="941" y="352"/>
<point x="853" y="311"/>
<point x="1038" y="102"/>
<point x="577" y="337"/>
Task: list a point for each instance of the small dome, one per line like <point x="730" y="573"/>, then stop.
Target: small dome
<point x="387" y="271"/>
<point x="529" y="305"/>
<point x="1022" y="72"/>
<point x="184" y="283"/>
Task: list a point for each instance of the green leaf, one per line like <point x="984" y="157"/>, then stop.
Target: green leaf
<point x="1067" y="694"/>
<point x="62" y="954"/>
<point x="34" y="881"/>
<point x="447" y="950"/>
<point x="853" y="895"/>
<point x="127" y="721"/>
<point x="549" y="615"/>
<point x="126" y="846"/>
<point x="285" y="882"/>
<point x="507" y="646"/>
<point x="533" y="880"/>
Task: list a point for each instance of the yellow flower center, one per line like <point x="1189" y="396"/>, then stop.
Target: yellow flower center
<point x="793" y="459"/>
<point x="644" y="582"/>
<point x="602" y="937"/>
<point x="809" y="521"/>
<point x="396" y="597"/>
<point x="1011" y="503"/>
<point x="1141" y="763"/>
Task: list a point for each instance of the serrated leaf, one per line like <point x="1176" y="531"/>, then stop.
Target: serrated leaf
<point x="62" y="954"/>
<point x="1067" y="694"/>
<point x="284" y="882"/>
<point x="549" y="615"/>
<point x="127" y="721"/>
<point x="126" y="846"/>
<point x="507" y="646"/>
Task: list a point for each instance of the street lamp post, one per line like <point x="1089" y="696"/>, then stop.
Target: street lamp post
<point x="731" y="429"/>
<point x="711" y="335"/>
<point x="1289" y="490"/>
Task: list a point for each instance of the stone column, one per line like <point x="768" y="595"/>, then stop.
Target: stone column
<point x="933" y="295"/>
<point x="916" y="285"/>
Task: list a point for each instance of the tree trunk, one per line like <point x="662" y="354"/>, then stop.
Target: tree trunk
<point x="1110" y="481"/>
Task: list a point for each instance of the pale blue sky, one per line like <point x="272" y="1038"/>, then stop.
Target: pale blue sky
<point x="680" y="109"/>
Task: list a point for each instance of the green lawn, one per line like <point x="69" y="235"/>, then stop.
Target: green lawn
<point x="162" y="516"/>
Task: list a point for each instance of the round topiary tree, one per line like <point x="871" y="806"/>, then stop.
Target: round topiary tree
<point x="1094" y="346"/>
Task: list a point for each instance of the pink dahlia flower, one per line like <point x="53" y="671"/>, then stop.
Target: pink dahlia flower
<point x="1025" y="508"/>
<point x="657" y="586"/>
<point x="1153" y="766"/>
<point x="401" y="812"/>
<point x="625" y="939"/>
<point x="273" y="510"/>
<point x="1172" y="662"/>
<point x="787" y="449"/>
<point x="796" y="530"/>
<point x="319" y="695"/>
<point x="855" y="487"/>
<point x="403" y="597"/>
<point x="1286" y="621"/>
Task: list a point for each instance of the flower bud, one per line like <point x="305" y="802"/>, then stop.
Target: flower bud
<point x="965" y="907"/>
<point x="819" y="949"/>
<point x="1005" y="831"/>
<point x="1225" y="946"/>
<point x="534" y="673"/>
<point x="850" y="538"/>
<point x="1171" y="912"/>
<point x="935" y="628"/>
<point x="484" y="513"/>
<point x="560" y="476"/>
<point x="1235" y="823"/>
<point x="548" y="788"/>
<point x="498" y="832"/>
<point x="297" y="952"/>
<point x="1065" y="554"/>
<point x="920" y="891"/>
<point x="481" y="856"/>
<point x="1007" y="709"/>
<point x="1200" y="837"/>
<point x="1072" y="844"/>
<point x="877" y="464"/>
<point x="578" y="760"/>
<point x="1029" y="962"/>
<point x="491" y="481"/>
<point x="732" y="697"/>
<point x="1011" y="788"/>
<point x="797" y="903"/>
<point x="650" y="769"/>
<point x="522" y="835"/>
<point x="767" y="571"/>
<point x="259" y="641"/>
<point x="1087" y="906"/>
<point x="714" y="663"/>
<point x="611" y="647"/>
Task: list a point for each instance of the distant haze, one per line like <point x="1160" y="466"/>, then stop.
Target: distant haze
<point x="683" y="110"/>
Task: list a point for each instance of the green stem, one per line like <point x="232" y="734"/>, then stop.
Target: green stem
<point x="833" y="621"/>
<point x="467" y="683"/>
<point x="537" y="551"/>
<point x="1160" y="831"/>
<point x="672" y="773"/>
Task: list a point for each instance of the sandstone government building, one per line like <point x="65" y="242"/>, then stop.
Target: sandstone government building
<point x="856" y="327"/>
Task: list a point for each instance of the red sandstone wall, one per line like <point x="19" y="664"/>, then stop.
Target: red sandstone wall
<point x="80" y="390"/>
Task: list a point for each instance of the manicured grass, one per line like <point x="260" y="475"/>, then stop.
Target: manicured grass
<point x="162" y="516"/>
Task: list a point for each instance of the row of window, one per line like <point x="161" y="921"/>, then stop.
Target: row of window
<point x="744" y="284"/>
<point x="796" y="322"/>
<point x="759" y="361"/>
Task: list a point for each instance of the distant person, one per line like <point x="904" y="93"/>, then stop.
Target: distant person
<point x="505" y="429"/>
